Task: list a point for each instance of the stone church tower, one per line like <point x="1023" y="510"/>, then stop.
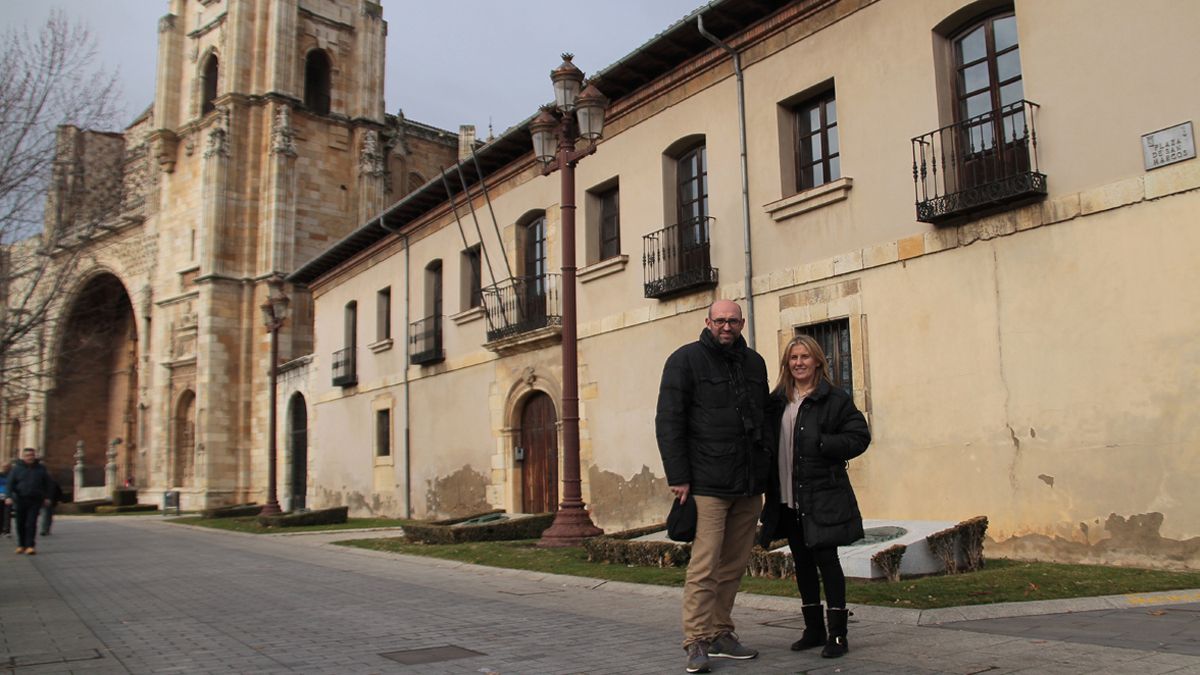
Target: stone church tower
<point x="267" y="141"/>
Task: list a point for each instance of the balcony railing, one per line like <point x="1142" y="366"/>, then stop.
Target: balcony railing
<point x="522" y="304"/>
<point x="425" y="341"/>
<point x="978" y="164"/>
<point x="677" y="259"/>
<point x="345" y="373"/>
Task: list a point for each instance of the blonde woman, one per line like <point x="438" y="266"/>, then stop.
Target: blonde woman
<point x="815" y="430"/>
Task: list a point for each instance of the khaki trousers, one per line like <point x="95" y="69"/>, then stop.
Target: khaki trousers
<point x="724" y="536"/>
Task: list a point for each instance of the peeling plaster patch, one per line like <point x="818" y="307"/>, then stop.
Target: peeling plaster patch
<point x="620" y="504"/>
<point x="1048" y="480"/>
<point x="359" y="504"/>
<point x="1134" y="541"/>
<point x="461" y="493"/>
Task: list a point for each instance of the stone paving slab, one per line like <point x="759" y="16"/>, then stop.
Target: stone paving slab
<point x="151" y="597"/>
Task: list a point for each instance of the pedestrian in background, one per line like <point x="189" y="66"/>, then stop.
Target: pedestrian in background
<point x="55" y="495"/>
<point x="709" y="427"/>
<point x="816" y="430"/>
<point x="5" y="509"/>
<point x="28" y="490"/>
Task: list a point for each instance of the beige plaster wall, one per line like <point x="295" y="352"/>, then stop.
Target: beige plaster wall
<point x="1036" y="366"/>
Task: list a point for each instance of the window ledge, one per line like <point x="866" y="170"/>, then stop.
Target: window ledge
<point x="380" y="346"/>
<point x="603" y="268"/>
<point x="467" y="316"/>
<point x="384" y="460"/>
<point x="815" y="198"/>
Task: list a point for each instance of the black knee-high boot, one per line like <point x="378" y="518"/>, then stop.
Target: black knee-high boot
<point x="814" y="628"/>
<point x="836" y="645"/>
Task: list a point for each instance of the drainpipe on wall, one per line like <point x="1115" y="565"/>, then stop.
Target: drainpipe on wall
<point x="404" y="371"/>
<point x="741" y="102"/>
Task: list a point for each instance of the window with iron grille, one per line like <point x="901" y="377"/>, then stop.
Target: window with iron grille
<point x="818" y="150"/>
<point x="610" y="224"/>
<point x="383" y="433"/>
<point x="834" y="338"/>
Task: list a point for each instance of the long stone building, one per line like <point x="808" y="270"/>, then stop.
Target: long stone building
<point x="986" y="211"/>
<point x="266" y="142"/>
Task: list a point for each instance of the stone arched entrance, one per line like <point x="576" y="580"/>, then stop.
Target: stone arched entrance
<point x="183" y="436"/>
<point x="94" y="396"/>
<point x="298" y="445"/>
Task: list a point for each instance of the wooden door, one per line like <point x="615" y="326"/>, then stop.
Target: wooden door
<point x="539" y="438"/>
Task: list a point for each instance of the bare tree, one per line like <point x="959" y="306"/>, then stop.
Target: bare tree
<point x="59" y="181"/>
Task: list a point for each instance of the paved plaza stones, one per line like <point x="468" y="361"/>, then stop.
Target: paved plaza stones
<point x="137" y="595"/>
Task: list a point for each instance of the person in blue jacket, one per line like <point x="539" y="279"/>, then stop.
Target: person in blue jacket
<point x="5" y="511"/>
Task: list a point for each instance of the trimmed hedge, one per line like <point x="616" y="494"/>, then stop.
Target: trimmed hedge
<point x="130" y="508"/>
<point x="530" y="527"/>
<point x="338" y="514"/>
<point x="233" y="511"/>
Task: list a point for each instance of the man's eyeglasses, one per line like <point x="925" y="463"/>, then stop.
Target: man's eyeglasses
<point x="733" y="323"/>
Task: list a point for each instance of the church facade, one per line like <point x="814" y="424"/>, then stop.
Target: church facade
<point x="266" y="142"/>
<point x="987" y="220"/>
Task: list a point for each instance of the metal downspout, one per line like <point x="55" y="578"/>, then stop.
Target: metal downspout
<point x="404" y="372"/>
<point x="741" y="102"/>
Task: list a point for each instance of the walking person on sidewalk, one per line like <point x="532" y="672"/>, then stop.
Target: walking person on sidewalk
<point x="816" y="430"/>
<point x="709" y="426"/>
<point x="28" y="490"/>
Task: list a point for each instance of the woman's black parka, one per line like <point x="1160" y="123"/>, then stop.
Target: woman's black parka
<point x="829" y="431"/>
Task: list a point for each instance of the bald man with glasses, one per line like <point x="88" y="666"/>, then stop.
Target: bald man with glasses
<point x="709" y="429"/>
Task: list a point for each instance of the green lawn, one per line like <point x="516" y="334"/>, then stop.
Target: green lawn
<point x="1000" y="581"/>
<point x="250" y="524"/>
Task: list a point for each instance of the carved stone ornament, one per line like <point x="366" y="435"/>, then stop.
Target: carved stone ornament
<point x="529" y="376"/>
<point x="218" y="136"/>
<point x="282" y="139"/>
<point x="370" y="163"/>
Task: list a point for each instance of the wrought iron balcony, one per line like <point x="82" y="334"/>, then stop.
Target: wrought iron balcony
<point x="676" y="259"/>
<point x="425" y="341"/>
<point x="979" y="164"/>
<point x="345" y="372"/>
<point x="522" y="304"/>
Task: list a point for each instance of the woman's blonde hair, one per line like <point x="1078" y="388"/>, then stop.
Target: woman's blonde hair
<point x="786" y="384"/>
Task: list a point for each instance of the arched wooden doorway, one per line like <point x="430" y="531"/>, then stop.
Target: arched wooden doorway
<point x="539" y="439"/>
<point x="298" y="444"/>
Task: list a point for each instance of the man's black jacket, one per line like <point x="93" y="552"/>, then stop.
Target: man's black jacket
<point x="31" y="481"/>
<point x="710" y="418"/>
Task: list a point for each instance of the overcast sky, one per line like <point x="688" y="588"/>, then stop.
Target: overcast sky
<point x="449" y="62"/>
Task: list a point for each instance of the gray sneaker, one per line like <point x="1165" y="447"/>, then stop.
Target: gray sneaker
<point x="727" y="647"/>
<point x="697" y="657"/>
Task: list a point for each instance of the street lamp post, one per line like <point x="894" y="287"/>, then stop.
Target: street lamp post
<point x="274" y="311"/>
<point x="554" y="133"/>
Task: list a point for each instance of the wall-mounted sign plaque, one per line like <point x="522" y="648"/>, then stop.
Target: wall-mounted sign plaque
<point x="1167" y="146"/>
